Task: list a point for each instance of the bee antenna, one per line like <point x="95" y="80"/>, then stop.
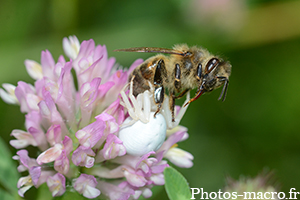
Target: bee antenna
<point x="224" y="90"/>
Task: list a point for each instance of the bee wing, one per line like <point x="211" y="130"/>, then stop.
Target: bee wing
<point x="152" y="50"/>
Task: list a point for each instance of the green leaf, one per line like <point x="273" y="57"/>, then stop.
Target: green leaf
<point x="156" y="190"/>
<point x="8" y="170"/>
<point x="45" y="194"/>
<point x="71" y="195"/>
<point x="5" y="195"/>
<point x="176" y="185"/>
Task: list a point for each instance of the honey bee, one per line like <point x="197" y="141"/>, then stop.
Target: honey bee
<point x="184" y="69"/>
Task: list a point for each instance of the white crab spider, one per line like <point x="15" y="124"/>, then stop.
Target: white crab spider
<point x="141" y="106"/>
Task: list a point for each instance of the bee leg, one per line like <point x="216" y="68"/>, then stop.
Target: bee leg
<point x="180" y="114"/>
<point x="177" y="86"/>
<point x="224" y="90"/>
<point x="182" y="93"/>
<point x="159" y="92"/>
<point x="177" y="72"/>
<point x="159" y="98"/>
<point x="172" y="104"/>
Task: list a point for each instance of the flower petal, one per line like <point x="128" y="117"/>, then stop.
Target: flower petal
<point x="54" y="134"/>
<point x="113" y="147"/>
<point x="23" y="139"/>
<point x="91" y="134"/>
<point x="71" y="46"/>
<point x="57" y="184"/>
<point x="90" y="192"/>
<point x="85" y="184"/>
<point x="48" y="64"/>
<point x="62" y="163"/>
<point x="50" y="154"/>
<point x="180" y="157"/>
<point x="22" y="91"/>
<point x="134" y="178"/>
<point x="113" y="192"/>
<point x="8" y="96"/>
<point x="34" y="69"/>
<point x="35" y="173"/>
<point x="83" y="156"/>
<point x="24" y="189"/>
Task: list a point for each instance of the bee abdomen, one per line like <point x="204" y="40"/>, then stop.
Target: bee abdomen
<point x="140" y="84"/>
<point x="147" y="69"/>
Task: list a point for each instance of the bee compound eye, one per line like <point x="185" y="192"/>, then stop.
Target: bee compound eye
<point x="211" y="64"/>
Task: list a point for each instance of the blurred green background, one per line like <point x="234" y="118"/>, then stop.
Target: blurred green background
<point x="255" y="129"/>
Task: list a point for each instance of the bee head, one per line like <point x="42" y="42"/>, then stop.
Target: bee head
<point x="216" y="74"/>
